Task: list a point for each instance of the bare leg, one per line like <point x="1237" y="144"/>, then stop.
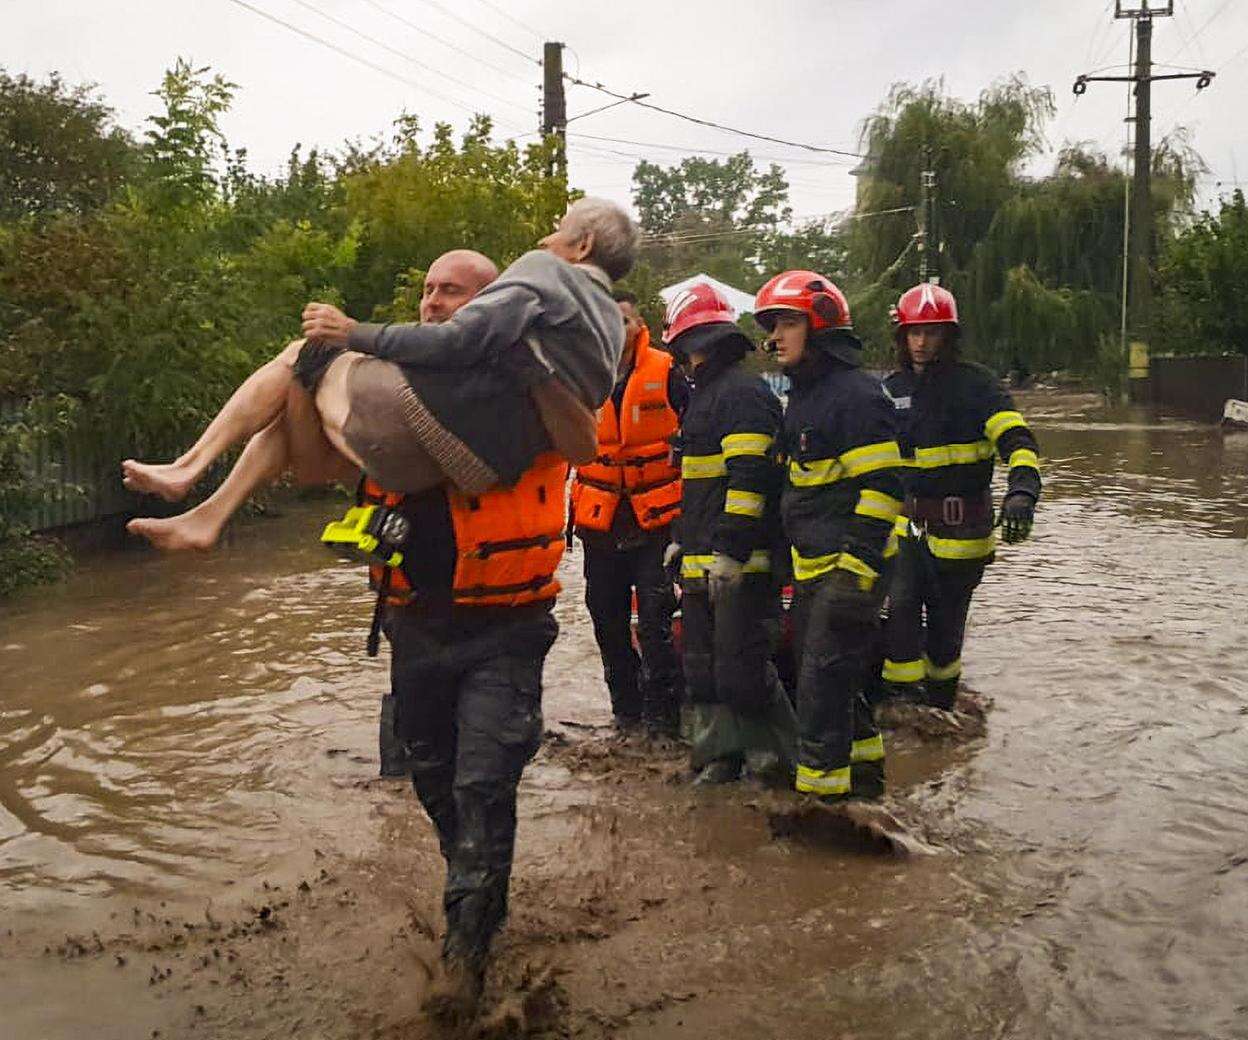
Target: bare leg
<point x="251" y="408"/>
<point x="262" y="461"/>
<point x="314" y="458"/>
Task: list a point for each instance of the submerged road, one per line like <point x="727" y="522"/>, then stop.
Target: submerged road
<point x="171" y="728"/>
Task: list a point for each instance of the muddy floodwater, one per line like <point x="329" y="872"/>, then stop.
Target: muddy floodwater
<point x="193" y="841"/>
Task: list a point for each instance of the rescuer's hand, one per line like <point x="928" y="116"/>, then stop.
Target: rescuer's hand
<point x="671" y="560"/>
<point x="326" y="323"/>
<point x="1018" y="513"/>
<point x="723" y="572"/>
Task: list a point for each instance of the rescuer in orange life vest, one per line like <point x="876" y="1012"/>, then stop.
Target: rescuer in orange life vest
<point x="623" y="505"/>
<point x="465" y="587"/>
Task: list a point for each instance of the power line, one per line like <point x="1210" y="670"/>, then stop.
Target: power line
<point x="688" y="150"/>
<point x="477" y="29"/>
<point x="1204" y="25"/>
<point x="445" y="42"/>
<point x="406" y="57"/>
<point x="354" y="57"/>
<point x="540" y="37"/>
<point x="707" y="122"/>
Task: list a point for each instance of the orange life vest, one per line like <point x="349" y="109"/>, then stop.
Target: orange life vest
<point x="634" y="455"/>
<point x="508" y="541"/>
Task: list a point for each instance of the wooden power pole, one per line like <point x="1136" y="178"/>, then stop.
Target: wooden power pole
<point x="554" y="106"/>
<point x="1141" y="233"/>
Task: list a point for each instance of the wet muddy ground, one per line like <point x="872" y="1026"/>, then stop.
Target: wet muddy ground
<point x="193" y="841"/>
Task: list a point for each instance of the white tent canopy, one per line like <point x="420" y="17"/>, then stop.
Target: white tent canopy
<point x="742" y="302"/>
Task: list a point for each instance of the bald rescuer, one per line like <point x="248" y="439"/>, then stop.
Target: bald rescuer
<point x="954" y="418"/>
<point x="466" y="585"/>
<point x="842" y="494"/>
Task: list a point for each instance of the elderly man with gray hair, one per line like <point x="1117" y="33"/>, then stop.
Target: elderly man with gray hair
<point x="472" y="401"/>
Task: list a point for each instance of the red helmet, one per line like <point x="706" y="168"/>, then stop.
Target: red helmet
<point x="700" y="304"/>
<point x="808" y="293"/>
<point x="925" y="304"/>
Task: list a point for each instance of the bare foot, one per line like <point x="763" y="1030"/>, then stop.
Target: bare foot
<point x="168" y="480"/>
<point x="176" y="533"/>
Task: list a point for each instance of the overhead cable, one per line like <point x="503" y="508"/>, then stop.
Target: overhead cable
<point x="407" y="57"/>
<point x="416" y="27"/>
<point x="477" y="29"/>
<point x="353" y="57"/>
<point x="514" y="21"/>
<point x="707" y="122"/>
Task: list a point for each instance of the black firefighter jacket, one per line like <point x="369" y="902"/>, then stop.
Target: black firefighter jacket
<point x="842" y="490"/>
<point x="729" y="474"/>
<point x="952" y="420"/>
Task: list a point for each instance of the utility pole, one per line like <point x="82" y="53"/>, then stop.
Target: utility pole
<point x="927" y="220"/>
<point x="1140" y="236"/>
<point x="554" y="107"/>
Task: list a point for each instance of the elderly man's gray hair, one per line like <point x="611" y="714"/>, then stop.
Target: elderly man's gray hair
<point x="615" y="234"/>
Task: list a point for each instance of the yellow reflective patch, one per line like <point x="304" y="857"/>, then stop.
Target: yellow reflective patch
<point x="903" y="671"/>
<point x="746" y="444"/>
<point x="878" y="505"/>
<point x="869" y="750"/>
<point x="815" y="472"/>
<point x="822" y="781"/>
<point x="695" y="566"/>
<point x="806" y="568"/>
<point x="871" y="457"/>
<point x="952" y="454"/>
<point x="962" y="548"/>
<point x="1024" y="457"/>
<point x="702" y="467"/>
<point x="1000" y="422"/>
<point x="941" y="672"/>
<point x="744" y="503"/>
<point x="892" y="547"/>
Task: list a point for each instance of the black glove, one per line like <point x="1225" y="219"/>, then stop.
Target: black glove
<point x="1018" y="513"/>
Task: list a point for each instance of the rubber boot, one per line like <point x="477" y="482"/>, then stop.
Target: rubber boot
<point x="392" y="751"/>
<point x="941" y="693"/>
<point x="454" y="994"/>
<point x="720" y="771"/>
<point x="866" y="781"/>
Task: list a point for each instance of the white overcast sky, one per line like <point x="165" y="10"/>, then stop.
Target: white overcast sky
<point x="805" y="70"/>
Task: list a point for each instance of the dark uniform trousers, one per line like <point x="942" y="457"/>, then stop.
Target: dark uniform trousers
<point x="468" y="699"/>
<point x="836" y="636"/>
<point x="928" y="603"/>
<point x="728" y="666"/>
<point x="648" y="686"/>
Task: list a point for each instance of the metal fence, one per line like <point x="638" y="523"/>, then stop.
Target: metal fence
<point x="84" y="471"/>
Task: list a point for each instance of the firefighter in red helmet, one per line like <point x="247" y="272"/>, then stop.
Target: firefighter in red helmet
<point x="842" y="494"/>
<point x="954" y="418"/>
<point x="741" y="716"/>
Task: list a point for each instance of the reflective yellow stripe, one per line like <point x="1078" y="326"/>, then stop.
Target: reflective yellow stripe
<point x="961" y="548"/>
<point x="744" y="503"/>
<point x="695" y="566"/>
<point x="892" y="547"/>
<point x="877" y="504"/>
<point x="815" y="472"/>
<point x="952" y="454"/>
<point x="746" y="444"/>
<point x="822" y="781"/>
<point x="702" y="467"/>
<point x="1024" y="457"/>
<point x="870" y="457"/>
<point x="1002" y="421"/>
<point x="807" y="567"/>
<point x="903" y="671"/>
<point x="869" y="750"/>
<point x="940" y="672"/>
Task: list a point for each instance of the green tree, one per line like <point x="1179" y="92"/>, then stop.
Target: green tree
<point x="1204" y="274"/>
<point x="59" y="149"/>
